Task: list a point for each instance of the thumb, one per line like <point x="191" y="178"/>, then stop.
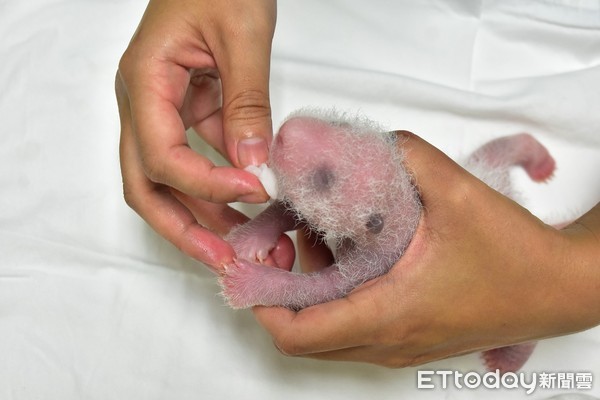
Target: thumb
<point x="244" y="70"/>
<point x="433" y="171"/>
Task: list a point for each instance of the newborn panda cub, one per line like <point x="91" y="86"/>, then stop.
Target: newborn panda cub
<point x="345" y="179"/>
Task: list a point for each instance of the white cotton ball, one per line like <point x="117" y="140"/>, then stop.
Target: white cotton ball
<point x="266" y="176"/>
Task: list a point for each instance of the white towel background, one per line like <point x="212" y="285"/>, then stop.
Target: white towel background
<point x="94" y="305"/>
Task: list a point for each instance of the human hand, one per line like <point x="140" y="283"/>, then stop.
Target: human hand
<point x="481" y="272"/>
<point x="201" y="64"/>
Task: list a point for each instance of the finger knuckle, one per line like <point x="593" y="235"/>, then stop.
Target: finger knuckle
<point x="131" y="196"/>
<point x="128" y="63"/>
<point x="248" y="106"/>
<point x="463" y="194"/>
<point x="154" y="168"/>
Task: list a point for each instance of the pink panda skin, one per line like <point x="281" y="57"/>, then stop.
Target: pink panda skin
<point x="362" y="200"/>
<point x="345" y="179"/>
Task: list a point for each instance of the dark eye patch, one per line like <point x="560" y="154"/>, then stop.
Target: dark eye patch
<point x="323" y="178"/>
<point x="375" y="223"/>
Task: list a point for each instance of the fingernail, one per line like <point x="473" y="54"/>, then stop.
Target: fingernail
<point x="252" y="151"/>
<point x="253" y="198"/>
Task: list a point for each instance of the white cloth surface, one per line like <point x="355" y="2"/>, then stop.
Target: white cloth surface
<point x="94" y="305"/>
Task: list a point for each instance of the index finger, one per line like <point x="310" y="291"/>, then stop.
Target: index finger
<point x="159" y="206"/>
<point x="163" y="148"/>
